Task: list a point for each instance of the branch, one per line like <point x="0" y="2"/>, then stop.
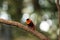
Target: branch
<point x="14" y="23"/>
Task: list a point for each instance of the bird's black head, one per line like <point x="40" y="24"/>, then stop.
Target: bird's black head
<point x="27" y="19"/>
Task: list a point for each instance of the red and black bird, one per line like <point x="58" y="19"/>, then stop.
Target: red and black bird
<point x="30" y="24"/>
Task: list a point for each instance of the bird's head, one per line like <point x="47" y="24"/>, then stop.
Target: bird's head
<point x="28" y="21"/>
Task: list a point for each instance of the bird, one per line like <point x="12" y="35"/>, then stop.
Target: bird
<point x="30" y="24"/>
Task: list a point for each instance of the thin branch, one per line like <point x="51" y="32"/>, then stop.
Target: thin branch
<point x="14" y="23"/>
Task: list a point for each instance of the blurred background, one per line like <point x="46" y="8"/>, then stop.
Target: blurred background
<point x="43" y="13"/>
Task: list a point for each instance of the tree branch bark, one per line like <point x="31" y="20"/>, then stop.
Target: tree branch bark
<point x="58" y="8"/>
<point x="14" y="23"/>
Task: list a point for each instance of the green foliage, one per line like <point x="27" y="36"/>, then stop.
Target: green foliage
<point x="15" y="7"/>
<point x="1" y="3"/>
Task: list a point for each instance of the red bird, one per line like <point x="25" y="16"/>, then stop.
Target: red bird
<point x="30" y="24"/>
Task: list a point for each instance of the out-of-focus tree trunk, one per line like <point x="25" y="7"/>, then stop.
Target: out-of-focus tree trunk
<point x="58" y="7"/>
<point x="36" y="5"/>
